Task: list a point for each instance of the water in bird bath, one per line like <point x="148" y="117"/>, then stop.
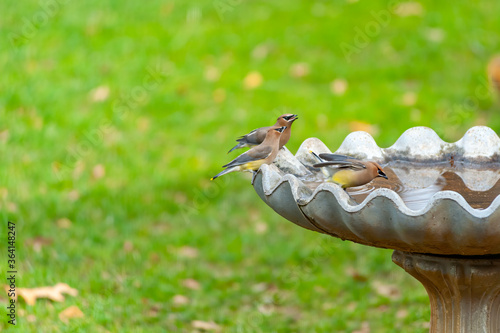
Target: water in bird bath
<point x="417" y="183"/>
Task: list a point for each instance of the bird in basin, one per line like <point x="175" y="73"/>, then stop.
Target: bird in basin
<point x="348" y="171"/>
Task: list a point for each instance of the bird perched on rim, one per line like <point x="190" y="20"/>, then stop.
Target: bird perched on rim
<point x="265" y="153"/>
<point x="348" y="171"/>
<point x="258" y="135"/>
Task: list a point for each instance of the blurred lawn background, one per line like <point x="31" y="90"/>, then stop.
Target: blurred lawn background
<point x="114" y="115"/>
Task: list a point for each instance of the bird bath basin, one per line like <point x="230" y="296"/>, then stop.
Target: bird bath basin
<point x="439" y="211"/>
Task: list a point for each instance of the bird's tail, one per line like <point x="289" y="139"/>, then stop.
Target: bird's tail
<point x="316" y="155"/>
<point x="241" y="144"/>
<point x="223" y="172"/>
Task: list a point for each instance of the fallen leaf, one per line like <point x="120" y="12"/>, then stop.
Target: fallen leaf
<point x="73" y="195"/>
<point x="154" y="310"/>
<point x="4" y="136"/>
<point x="383" y="308"/>
<point x="362" y="126"/>
<point x="338" y="87"/>
<point x="351" y="306"/>
<point x="128" y="246"/>
<point x="435" y="35"/>
<point x="299" y="70"/>
<point x="4" y="193"/>
<point x="390" y="291"/>
<point x="260" y="51"/>
<point x="11" y="207"/>
<point x="259" y="287"/>
<point x="188" y="252"/>
<point x="253" y="80"/>
<point x="260" y="228"/>
<point x="191" y="284"/>
<point x="212" y="74"/>
<point x="38" y="242"/>
<point x="180" y="300"/>
<point x="356" y="275"/>
<point x="64" y="223"/>
<point x="70" y="313"/>
<point x="99" y="94"/>
<point x="410" y="8"/>
<point x="402" y="313"/>
<point x="98" y="171"/>
<point x="205" y="325"/>
<point x="266" y="309"/>
<point x="54" y="293"/>
<point x="409" y="98"/>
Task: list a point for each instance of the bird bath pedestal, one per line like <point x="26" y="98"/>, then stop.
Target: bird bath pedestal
<point x="447" y="242"/>
<point x="464" y="291"/>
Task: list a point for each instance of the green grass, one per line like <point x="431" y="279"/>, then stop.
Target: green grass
<point x="160" y="144"/>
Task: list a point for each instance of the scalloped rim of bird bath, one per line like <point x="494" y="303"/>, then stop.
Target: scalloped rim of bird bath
<point x="418" y="144"/>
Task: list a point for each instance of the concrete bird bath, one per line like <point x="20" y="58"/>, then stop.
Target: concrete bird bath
<point x="439" y="212"/>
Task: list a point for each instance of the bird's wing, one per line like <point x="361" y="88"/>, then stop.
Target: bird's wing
<point x="256" y="155"/>
<point x="353" y="165"/>
<point x="255" y="136"/>
<point x="335" y="158"/>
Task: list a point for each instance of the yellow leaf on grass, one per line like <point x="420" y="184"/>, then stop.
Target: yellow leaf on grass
<point x="299" y="70"/>
<point x="179" y="300"/>
<point x="191" y="284"/>
<point x="410" y="8"/>
<point x="69" y="313"/>
<point x="205" y="325"/>
<point x="54" y="293"/>
<point x="338" y="87"/>
<point x="188" y="252"/>
<point x="362" y="126"/>
<point x="98" y="171"/>
<point x="390" y="291"/>
<point x="253" y="80"/>
<point x="64" y="223"/>
<point x="99" y="94"/>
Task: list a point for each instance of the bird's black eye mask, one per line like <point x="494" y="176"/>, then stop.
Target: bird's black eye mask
<point x="288" y="118"/>
<point x="281" y="129"/>
<point x="382" y="174"/>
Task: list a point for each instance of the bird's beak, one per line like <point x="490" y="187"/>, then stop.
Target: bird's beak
<point x="295" y="117"/>
<point x="383" y="176"/>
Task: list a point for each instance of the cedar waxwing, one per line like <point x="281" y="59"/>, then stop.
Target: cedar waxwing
<point x="349" y="171"/>
<point x="265" y="153"/>
<point x="258" y="135"/>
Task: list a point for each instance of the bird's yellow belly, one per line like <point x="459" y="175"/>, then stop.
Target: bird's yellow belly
<point x="254" y="165"/>
<point x="345" y="178"/>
